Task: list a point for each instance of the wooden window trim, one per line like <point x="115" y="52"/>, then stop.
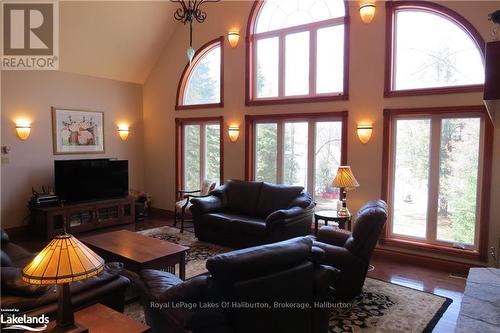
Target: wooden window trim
<point x="485" y="182"/>
<point x="251" y="120"/>
<point x="179" y="147"/>
<point x="250" y="100"/>
<point x="181" y="88"/>
<point x="447" y="13"/>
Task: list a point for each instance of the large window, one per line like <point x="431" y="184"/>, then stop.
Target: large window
<point x="444" y="54"/>
<point x="302" y="149"/>
<point x="436" y="166"/>
<point x="201" y="84"/>
<point x="199" y="151"/>
<point x="297" y="51"/>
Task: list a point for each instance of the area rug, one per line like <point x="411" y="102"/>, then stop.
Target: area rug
<point x="381" y="307"/>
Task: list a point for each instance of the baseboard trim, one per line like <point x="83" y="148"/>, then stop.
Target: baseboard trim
<point x="447" y="265"/>
<point x="160" y="213"/>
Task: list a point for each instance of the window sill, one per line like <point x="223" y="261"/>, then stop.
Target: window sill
<point x="434" y="248"/>
<point x="434" y="91"/>
<point x="293" y="100"/>
<point x="199" y="106"/>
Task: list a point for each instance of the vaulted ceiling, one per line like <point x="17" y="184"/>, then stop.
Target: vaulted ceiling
<point x="120" y="40"/>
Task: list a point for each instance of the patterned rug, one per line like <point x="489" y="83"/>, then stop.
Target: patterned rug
<point x="381" y="307"/>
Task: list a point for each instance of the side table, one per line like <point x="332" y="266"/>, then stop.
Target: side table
<point x="98" y="318"/>
<point x="344" y="222"/>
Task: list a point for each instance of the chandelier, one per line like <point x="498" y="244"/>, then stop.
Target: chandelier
<point x="190" y="11"/>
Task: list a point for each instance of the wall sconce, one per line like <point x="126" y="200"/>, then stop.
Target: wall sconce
<point x="233" y="37"/>
<point x="23" y="129"/>
<point x="234" y="133"/>
<point x="123" y="132"/>
<point x="364" y="133"/>
<point x="367" y="12"/>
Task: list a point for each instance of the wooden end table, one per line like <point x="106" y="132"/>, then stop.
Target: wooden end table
<point x="344" y="222"/>
<point x="139" y="252"/>
<point x="98" y="318"/>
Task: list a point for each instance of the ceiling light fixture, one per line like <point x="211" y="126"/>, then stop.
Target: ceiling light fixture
<point x="189" y="11"/>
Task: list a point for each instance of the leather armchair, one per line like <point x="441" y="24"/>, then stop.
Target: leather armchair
<point x="241" y="214"/>
<point x="287" y="271"/>
<point x="107" y="288"/>
<point x="351" y="252"/>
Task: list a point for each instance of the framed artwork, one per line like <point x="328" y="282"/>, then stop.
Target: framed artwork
<point x="77" y="131"/>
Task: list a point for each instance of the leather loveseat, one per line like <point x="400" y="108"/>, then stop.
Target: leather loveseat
<point x="241" y="214"/>
<point x="107" y="288"/>
<point x="232" y="297"/>
<point x="351" y="252"/>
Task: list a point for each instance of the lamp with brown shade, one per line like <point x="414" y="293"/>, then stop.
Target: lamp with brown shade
<point x="346" y="181"/>
<point x="64" y="260"/>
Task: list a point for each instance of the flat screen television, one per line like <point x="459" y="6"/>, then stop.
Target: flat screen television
<point x="87" y="180"/>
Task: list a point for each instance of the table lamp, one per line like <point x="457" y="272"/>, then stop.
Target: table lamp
<point x="346" y="181"/>
<point x="64" y="260"/>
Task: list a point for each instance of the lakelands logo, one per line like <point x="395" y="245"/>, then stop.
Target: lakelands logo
<point x="30" y="31"/>
<point x="14" y="322"/>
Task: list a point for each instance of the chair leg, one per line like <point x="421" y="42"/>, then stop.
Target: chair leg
<point x="175" y="216"/>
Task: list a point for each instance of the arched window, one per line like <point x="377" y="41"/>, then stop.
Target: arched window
<point x="201" y="84"/>
<point x="297" y="51"/>
<point x="431" y="49"/>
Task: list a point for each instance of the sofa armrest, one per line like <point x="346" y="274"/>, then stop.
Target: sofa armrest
<point x="329" y="235"/>
<point x="286" y="215"/>
<point x="207" y="204"/>
<point x="336" y="256"/>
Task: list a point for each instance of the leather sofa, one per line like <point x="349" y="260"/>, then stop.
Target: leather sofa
<point x="281" y="272"/>
<point x="351" y="252"/>
<point x="107" y="288"/>
<point x="241" y="214"/>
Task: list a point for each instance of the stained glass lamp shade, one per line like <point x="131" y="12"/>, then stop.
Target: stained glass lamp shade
<point x="345" y="180"/>
<point x="64" y="260"/>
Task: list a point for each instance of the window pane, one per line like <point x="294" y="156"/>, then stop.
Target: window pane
<point x="203" y="86"/>
<point x="327" y="159"/>
<point x="266" y="153"/>
<point x="279" y="14"/>
<point x="458" y="175"/>
<point x="267" y="67"/>
<point x="192" y="157"/>
<point x="330" y="60"/>
<point x="411" y="177"/>
<point x="436" y="54"/>
<point x="212" y="159"/>
<point x="297" y="64"/>
<point x="295" y="154"/>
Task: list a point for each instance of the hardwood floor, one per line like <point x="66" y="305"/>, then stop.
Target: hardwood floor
<point x="430" y="280"/>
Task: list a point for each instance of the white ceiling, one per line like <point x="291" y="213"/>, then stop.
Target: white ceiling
<point x="120" y="40"/>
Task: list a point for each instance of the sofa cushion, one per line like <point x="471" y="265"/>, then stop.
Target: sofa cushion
<point x="5" y="259"/>
<point x="237" y="223"/>
<point x="4" y="239"/>
<point x="19" y="256"/>
<point x="13" y="284"/>
<point x="242" y="197"/>
<point x="260" y="260"/>
<point x="275" y="197"/>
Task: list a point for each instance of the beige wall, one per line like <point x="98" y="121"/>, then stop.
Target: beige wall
<point x="366" y="101"/>
<point x="31" y="94"/>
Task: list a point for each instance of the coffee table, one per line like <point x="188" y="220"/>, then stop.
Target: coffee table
<point x="139" y="252"/>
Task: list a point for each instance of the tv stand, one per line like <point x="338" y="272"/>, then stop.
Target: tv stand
<point x="80" y="217"/>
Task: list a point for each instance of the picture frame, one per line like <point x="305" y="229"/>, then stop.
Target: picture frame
<point x="77" y="131"/>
